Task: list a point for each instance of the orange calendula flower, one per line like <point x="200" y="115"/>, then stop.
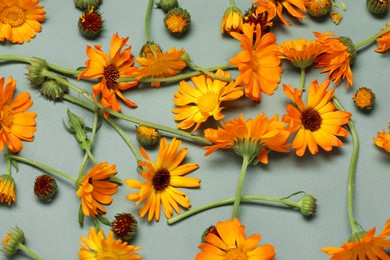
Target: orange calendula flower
<point x="7" y="189"/>
<point x="20" y="20"/>
<point x="96" y="189"/>
<point x="253" y="137"/>
<point x="258" y="62"/>
<point x="196" y="105"/>
<point x="383" y="140"/>
<point x="296" y="8"/>
<point x="162" y="65"/>
<point x="97" y="246"/>
<point x="383" y="41"/>
<point x="318" y="122"/>
<point x="300" y="53"/>
<point x="229" y="241"/>
<point x="110" y="67"/>
<point x="365" y="246"/>
<point x="16" y="124"/>
<point x="338" y="54"/>
<point x="161" y="180"/>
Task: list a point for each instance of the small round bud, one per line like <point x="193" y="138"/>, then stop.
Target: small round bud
<point x="53" y="90"/>
<point x="148" y="137"/>
<point x="12" y="240"/>
<point x="45" y="187"/>
<point x="35" y="71"/>
<point x="85" y="5"/>
<point x="124" y="226"/>
<point x="167" y="5"/>
<point x="364" y="98"/>
<point x="210" y="229"/>
<point x="308" y="205"/>
<point x="150" y="48"/>
<point x="90" y="23"/>
<point x="177" y="21"/>
<point x="318" y="8"/>
<point x="378" y="6"/>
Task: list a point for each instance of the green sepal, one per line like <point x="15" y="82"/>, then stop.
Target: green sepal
<point x="81" y="216"/>
<point x="15" y="164"/>
<point x="115" y="179"/>
<point x="103" y="220"/>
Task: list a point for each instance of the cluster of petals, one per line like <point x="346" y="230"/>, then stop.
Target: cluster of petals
<point x="383" y="140"/>
<point x="383" y="41"/>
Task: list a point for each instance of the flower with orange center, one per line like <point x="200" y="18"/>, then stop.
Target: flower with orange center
<point x="109" y="68"/>
<point x="15" y="123"/>
<point x="300" y="53"/>
<point x="161" y="65"/>
<point x="161" y="180"/>
<point x="383" y="41"/>
<point x="196" y="105"/>
<point x="296" y="8"/>
<point x="253" y="137"/>
<point x="338" y="54"/>
<point x="96" y="189"/>
<point x="383" y="140"/>
<point x="229" y="241"/>
<point x="258" y="62"/>
<point x="363" y="246"/>
<point x="20" y="20"/>
<point x="97" y="246"/>
<point x="318" y="122"/>
<point x="7" y="189"/>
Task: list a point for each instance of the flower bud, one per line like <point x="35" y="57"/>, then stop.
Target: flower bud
<point x="308" y="205"/>
<point x="167" y="5"/>
<point x="232" y="20"/>
<point x="124" y="226"/>
<point x="318" y="8"/>
<point x="378" y="6"/>
<point x="364" y="98"/>
<point x="7" y="189"/>
<point x="53" y="90"/>
<point x="147" y="137"/>
<point x="12" y="240"/>
<point x="177" y="21"/>
<point x="35" y="71"/>
<point x="45" y="187"/>
<point x="87" y="4"/>
<point x="90" y="23"/>
<point x="149" y="48"/>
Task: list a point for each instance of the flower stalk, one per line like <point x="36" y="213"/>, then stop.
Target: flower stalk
<point x="372" y="38"/>
<point x="245" y="162"/>
<point x="28" y="251"/>
<point x="302" y="79"/>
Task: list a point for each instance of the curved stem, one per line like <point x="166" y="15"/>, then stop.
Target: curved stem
<point x="237" y="199"/>
<point x="91" y="157"/>
<point x="147" y="20"/>
<point x="372" y="38"/>
<point x="352" y="168"/>
<point x="40" y="166"/>
<point x="302" y="80"/>
<point x="205" y="71"/>
<point x="82" y="167"/>
<point x="16" y="58"/>
<point x="230" y="201"/>
<point x="29" y="251"/>
<point x="63" y="70"/>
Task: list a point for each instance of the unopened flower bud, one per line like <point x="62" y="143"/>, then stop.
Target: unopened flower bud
<point x="45" y="187"/>
<point x="148" y="137"/>
<point x="53" y="90"/>
<point x="85" y="5"/>
<point x="124" y="226"/>
<point x="90" y="23"/>
<point x="308" y="205"/>
<point x="35" y="72"/>
<point x="378" y="6"/>
<point x="150" y="48"/>
<point x="232" y="20"/>
<point x="12" y="240"/>
<point x="167" y="5"/>
<point x="364" y="98"/>
<point x="318" y="8"/>
<point x="177" y="21"/>
<point x="7" y="189"/>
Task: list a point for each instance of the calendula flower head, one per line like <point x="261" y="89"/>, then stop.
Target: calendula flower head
<point x="383" y="41"/>
<point x="45" y="187"/>
<point x="7" y="189"/>
<point x="364" y="98"/>
<point x="36" y="70"/>
<point x="383" y="140"/>
<point x="318" y="8"/>
<point x="231" y="20"/>
<point x="12" y="240"/>
<point x="231" y="242"/>
<point x="196" y="105"/>
<point x="109" y="67"/>
<point x="167" y="5"/>
<point x="160" y="65"/>
<point x="96" y="188"/>
<point x="124" y="226"/>
<point x="363" y="245"/>
<point x="378" y="6"/>
<point x="301" y="53"/>
<point x="148" y="137"/>
<point x="258" y="62"/>
<point x="86" y="5"/>
<point x="53" y="90"/>
<point x="253" y="17"/>
<point x="16" y="124"/>
<point x="20" y="20"/>
<point x="161" y="181"/>
<point x="317" y="123"/>
<point x="338" y="54"/>
<point x="308" y="205"/>
<point x="97" y="246"/>
<point x="177" y="21"/>
<point x="251" y="137"/>
<point x="90" y="23"/>
<point x="150" y="48"/>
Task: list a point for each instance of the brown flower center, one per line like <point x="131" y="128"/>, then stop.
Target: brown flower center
<point x="311" y="119"/>
<point x="12" y="15"/>
<point x="161" y="179"/>
<point x="207" y="102"/>
<point x="6" y="117"/>
<point x="91" y="21"/>
<point x="111" y="74"/>
<point x="236" y="254"/>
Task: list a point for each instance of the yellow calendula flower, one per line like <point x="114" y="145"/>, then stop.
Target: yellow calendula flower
<point x="7" y="189"/>
<point x="301" y="53"/>
<point x="383" y="140"/>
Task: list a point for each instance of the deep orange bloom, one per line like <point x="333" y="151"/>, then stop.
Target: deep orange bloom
<point x="97" y="246"/>
<point x="300" y="53"/>
<point x="383" y="140"/>
<point x="161" y="180"/>
<point x="296" y="8"/>
<point x="338" y="54"/>
<point x="162" y="65"/>
<point x="15" y="123"/>
<point x="7" y="189"/>
<point x="258" y="62"/>
<point x="109" y="68"/>
<point x="20" y="20"/>
<point x="383" y="41"/>
<point x="229" y="241"/>
<point x="96" y="189"/>
<point x="367" y="247"/>
<point x="317" y="122"/>
<point x="260" y="134"/>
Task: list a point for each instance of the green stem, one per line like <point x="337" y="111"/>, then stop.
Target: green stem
<point x="91" y="157"/>
<point x="9" y="166"/>
<point x="63" y="70"/>
<point x="16" y="58"/>
<point x="177" y="77"/>
<point x="194" y="211"/>
<point x="237" y="199"/>
<point x="205" y="71"/>
<point x="147" y="20"/>
<point x="352" y="168"/>
<point x="372" y="38"/>
<point x="232" y="3"/>
<point x="29" y="251"/>
<point x="40" y="166"/>
<point x="82" y="167"/>
<point x="302" y="81"/>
